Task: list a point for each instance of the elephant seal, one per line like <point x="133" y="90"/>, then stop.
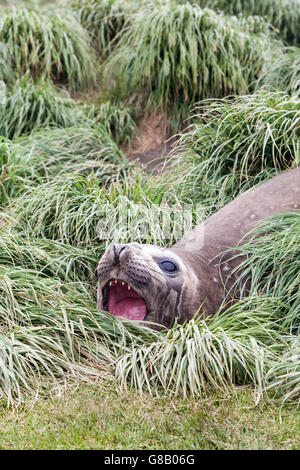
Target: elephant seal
<point x="147" y="282"/>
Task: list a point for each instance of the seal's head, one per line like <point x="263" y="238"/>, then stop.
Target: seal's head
<point x="146" y="282"/>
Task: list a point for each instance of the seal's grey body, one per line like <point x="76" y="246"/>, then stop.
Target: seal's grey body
<point x="201" y="273"/>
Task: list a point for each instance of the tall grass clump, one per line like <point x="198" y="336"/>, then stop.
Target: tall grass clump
<point x="236" y="143"/>
<point x="7" y="171"/>
<point x="69" y="149"/>
<point x="272" y="263"/>
<point x="234" y="348"/>
<point x="76" y="149"/>
<point x="6" y="72"/>
<point x="50" y="258"/>
<point x="175" y="55"/>
<point x="65" y="209"/>
<point x="117" y="120"/>
<point x="30" y="105"/>
<point x="283" y="379"/>
<point x="54" y="47"/>
<point x="246" y="344"/>
<point x="70" y="207"/>
<point x="49" y="153"/>
<point x="283" y="72"/>
<point x="104" y="20"/>
<point x="284" y="15"/>
<point x="49" y="335"/>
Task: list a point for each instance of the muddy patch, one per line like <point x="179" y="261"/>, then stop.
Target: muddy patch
<point x="152" y="144"/>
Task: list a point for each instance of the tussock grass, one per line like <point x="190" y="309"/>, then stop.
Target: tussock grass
<point x="71" y="149"/>
<point x="232" y="348"/>
<point x="282" y="14"/>
<point x="117" y="120"/>
<point x="49" y="258"/>
<point x="46" y="154"/>
<point x="6" y="72"/>
<point x="272" y="262"/>
<point x="7" y="172"/>
<point x="46" y="332"/>
<point x="283" y="379"/>
<point x="104" y="20"/>
<point x="69" y="208"/>
<point x="283" y="72"/>
<point x="54" y="47"/>
<point x="236" y="143"/>
<point x="273" y="265"/>
<point x="29" y="106"/>
<point x="177" y="54"/>
<point x="65" y="209"/>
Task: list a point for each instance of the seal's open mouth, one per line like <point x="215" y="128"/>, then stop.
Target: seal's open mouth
<point x="122" y="300"/>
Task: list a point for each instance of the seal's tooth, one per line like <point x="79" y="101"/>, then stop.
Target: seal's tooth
<point x="123" y="283"/>
<point x="128" y="287"/>
<point x="110" y="283"/>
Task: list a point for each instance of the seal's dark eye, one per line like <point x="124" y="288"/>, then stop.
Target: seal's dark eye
<point x="168" y="266"/>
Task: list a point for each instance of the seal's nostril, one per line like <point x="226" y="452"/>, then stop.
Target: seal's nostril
<point x="117" y="251"/>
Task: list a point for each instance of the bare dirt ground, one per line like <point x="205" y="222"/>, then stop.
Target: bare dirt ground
<point x="151" y="145"/>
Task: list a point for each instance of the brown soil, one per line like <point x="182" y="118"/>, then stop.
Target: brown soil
<point x="151" y="145"/>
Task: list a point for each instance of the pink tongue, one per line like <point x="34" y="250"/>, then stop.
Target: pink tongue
<point x="133" y="309"/>
<point x="125" y="303"/>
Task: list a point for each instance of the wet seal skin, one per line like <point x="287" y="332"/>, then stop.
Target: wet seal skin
<point x="156" y="284"/>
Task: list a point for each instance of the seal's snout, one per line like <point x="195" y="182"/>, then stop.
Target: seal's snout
<point x="117" y="250"/>
<point x="121" y="253"/>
